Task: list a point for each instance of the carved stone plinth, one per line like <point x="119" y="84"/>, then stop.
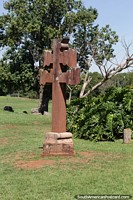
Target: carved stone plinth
<point x="58" y="144"/>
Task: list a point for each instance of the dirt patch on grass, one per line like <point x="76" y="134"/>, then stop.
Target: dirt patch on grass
<point x="25" y="160"/>
<point x="34" y="164"/>
<point x="3" y="142"/>
<point x="80" y="157"/>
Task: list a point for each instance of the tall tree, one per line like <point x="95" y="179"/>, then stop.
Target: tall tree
<point x="27" y="29"/>
<point x="19" y="63"/>
<point x="96" y="48"/>
<point x="32" y="24"/>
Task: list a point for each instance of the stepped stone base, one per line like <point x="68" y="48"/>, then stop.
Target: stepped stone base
<point x="58" y="144"/>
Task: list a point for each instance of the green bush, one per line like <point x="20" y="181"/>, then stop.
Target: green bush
<point x="32" y="94"/>
<point x="103" y="117"/>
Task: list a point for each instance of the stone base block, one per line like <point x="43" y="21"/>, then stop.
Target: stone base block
<point x="58" y="144"/>
<point x="127" y="136"/>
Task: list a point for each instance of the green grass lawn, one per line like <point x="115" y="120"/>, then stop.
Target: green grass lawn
<point x="102" y="168"/>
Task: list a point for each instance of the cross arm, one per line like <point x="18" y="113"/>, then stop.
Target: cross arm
<point x="45" y="77"/>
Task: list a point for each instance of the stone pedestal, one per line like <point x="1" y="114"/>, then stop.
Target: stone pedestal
<point x="127" y="136"/>
<point x="58" y="144"/>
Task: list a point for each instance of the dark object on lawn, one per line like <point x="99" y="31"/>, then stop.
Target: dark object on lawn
<point x="8" y="108"/>
<point x="25" y="112"/>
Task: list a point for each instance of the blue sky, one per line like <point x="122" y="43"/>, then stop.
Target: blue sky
<point x="1" y="6"/>
<point x="117" y="13"/>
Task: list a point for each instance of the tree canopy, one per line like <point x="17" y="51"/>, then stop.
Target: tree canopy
<point x="28" y="27"/>
<point x="34" y="23"/>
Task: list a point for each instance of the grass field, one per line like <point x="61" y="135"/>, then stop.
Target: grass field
<point x="103" y="168"/>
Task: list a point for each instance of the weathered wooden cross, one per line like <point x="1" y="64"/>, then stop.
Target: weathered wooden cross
<point x="60" y="68"/>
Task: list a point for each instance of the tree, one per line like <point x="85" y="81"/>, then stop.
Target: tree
<point x="119" y="80"/>
<point x="97" y="49"/>
<point x="32" y="24"/>
<point x="19" y="63"/>
<point x="5" y="79"/>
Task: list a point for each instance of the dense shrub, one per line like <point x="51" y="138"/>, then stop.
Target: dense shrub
<point x="103" y="117"/>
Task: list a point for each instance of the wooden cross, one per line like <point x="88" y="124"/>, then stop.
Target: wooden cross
<point x="60" y="68"/>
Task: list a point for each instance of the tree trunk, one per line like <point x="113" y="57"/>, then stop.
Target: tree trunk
<point x="45" y="94"/>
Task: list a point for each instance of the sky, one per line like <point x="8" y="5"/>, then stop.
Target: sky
<point x="117" y="13"/>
